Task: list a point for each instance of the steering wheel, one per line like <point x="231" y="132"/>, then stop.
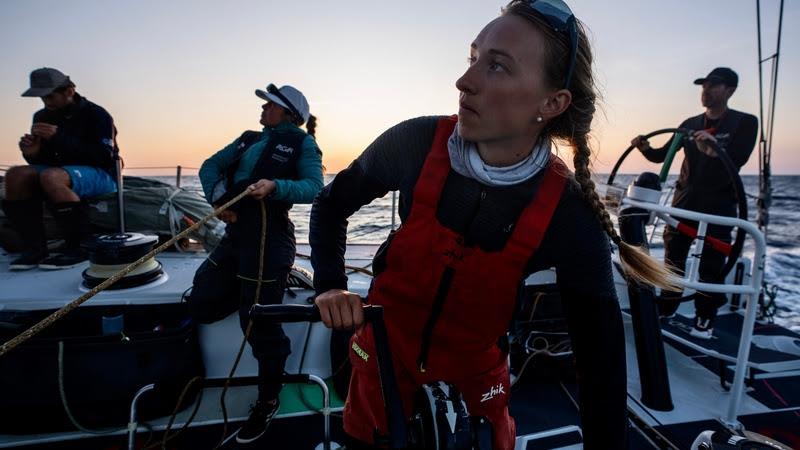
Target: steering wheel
<point x="630" y="148"/>
<point x="733" y="173"/>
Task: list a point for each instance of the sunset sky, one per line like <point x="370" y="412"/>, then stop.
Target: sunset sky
<point x="178" y="76"/>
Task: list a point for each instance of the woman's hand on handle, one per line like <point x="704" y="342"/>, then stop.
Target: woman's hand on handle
<point x="341" y="309"/>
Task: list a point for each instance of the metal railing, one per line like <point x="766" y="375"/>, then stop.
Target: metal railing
<point x="178" y="171"/>
<point x="751" y="289"/>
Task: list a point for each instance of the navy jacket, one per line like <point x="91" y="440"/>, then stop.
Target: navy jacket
<point x="86" y="136"/>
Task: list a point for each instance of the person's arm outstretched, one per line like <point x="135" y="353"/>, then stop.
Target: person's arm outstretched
<point x="391" y="162"/>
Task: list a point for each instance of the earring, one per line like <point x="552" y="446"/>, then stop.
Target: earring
<point x="539" y="119"/>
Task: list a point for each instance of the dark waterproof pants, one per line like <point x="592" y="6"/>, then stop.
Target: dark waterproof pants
<point x="230" y="279"/>
<point x="26" y="219"/>
<point x="676" y="249"/>
<point x="270" y="345"/>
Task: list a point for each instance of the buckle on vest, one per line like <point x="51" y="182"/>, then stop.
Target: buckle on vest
<point x="454" y="254"/>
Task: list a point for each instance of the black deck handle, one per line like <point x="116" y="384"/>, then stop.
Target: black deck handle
<point x="398" y="437"/>
<point x="284" y="313"/>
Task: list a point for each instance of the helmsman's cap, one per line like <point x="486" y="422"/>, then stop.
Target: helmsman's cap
<point x="720" y="75"/>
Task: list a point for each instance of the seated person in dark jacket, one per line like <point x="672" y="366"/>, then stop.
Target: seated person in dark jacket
<point x="70" y="155"/>
<point x="705" y="186"/>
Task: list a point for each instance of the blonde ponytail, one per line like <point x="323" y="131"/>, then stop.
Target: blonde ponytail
<point x="636" y="262"/>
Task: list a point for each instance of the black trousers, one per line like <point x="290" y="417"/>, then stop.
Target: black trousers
<point x="271" y="347"/>
<point x="676" y="250"/>
<point x="229" y="279"/>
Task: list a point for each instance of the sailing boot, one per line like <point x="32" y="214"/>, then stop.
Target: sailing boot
<point x="73" y="220"/>
<point x="26" y="219"/>
<point x="261" y="414"/>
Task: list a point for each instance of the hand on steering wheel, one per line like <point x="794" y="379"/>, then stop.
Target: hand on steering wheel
<point x="641" y="143"/>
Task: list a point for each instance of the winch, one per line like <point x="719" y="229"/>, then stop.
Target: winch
<point x="440" y="420"/>
<point x="728" y="439"/>
<point x="110" y="253"/>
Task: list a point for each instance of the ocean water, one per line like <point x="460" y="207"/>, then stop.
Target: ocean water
<point x="782" y="272"/>
<point x="373" y="222"/>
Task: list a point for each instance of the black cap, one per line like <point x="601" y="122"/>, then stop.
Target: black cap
<point x="46" y="80"/>
<point x="720" y="75"/>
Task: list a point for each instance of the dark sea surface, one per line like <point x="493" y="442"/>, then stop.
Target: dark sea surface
<point x="374" y="221"/>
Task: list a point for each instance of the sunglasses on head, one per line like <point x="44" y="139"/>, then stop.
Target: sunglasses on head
<point x="272" y="89"/>
<point x="561" y="20"/>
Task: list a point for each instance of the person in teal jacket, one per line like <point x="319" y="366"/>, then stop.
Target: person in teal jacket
<point x="280" y="165"/>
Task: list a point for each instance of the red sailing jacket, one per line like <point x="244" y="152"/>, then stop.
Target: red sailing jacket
<point x="446" y="305"/>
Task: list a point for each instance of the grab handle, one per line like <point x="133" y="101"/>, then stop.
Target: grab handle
<point x="398" y="436"/>
<point x="284" y="313"/>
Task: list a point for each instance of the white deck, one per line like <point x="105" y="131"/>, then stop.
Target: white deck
<point x="49" y="289"/>
<point x="696" y="391"/>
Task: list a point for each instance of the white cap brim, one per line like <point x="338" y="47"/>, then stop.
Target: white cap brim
<point x="271" y="98"/>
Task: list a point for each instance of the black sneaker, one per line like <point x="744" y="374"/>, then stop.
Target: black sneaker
<point x="70" y="258"/>
<point x="261" y="415"/>
<point x="28" y="260"/>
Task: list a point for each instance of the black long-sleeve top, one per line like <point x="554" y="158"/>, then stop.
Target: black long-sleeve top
<point x="704" y="184"/>
<point x="85" y="136"/>
<point x="574" y="244"/>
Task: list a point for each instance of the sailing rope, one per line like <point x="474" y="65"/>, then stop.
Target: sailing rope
<point x="358" y="269"/>
<point x="52" y="318"/>
<point x="256" y="299"/>
<point x="168" y="437"/>
<point x="63" y="393"/>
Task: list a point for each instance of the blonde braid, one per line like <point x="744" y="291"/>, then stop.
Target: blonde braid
<point x="574" y="125"/>
<point x="636" y="262"/>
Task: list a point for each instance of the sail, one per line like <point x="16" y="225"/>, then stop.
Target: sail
<point x="151" y="207"/>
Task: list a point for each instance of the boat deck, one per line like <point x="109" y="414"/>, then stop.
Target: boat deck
<point x="694" y="369"/>
<point x="47" y="290"/>
<point x="38" y="289"/>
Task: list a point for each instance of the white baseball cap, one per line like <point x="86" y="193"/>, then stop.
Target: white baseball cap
<point x="288" y="97"/>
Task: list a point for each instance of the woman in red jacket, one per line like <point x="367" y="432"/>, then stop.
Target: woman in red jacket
<point x="484" y="203"/>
